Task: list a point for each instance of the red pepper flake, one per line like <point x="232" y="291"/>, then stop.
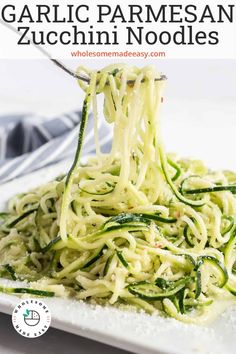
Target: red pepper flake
<point x="162" y="100"/>
<point x="158" y="245"/>
<point x="177" y="214"/>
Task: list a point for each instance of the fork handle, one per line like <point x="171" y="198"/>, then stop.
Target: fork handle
<point x="69" y="71"/>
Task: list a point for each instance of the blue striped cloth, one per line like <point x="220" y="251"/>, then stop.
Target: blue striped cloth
<point x="29" y="142"/>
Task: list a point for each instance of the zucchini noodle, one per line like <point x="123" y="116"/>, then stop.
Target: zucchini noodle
<point x="137" y="228"/>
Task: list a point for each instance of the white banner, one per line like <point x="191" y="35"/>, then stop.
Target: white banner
<point x="130" y="29"/>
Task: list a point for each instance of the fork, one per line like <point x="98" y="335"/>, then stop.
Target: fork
<point x="59" y="63"/>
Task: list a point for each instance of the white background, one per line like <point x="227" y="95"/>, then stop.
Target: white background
<point x="225" y="49"/>
<point x="198" y="114"/>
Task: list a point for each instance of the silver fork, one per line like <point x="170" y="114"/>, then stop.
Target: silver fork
<point x="59" y="63"/>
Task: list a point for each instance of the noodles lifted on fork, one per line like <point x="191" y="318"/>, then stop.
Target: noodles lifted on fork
<point x="136" y="227"/>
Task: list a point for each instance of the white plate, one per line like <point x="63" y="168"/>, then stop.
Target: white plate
<point x="132" y="331"/>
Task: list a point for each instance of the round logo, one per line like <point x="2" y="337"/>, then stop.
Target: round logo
<point x="31" y="318"/>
